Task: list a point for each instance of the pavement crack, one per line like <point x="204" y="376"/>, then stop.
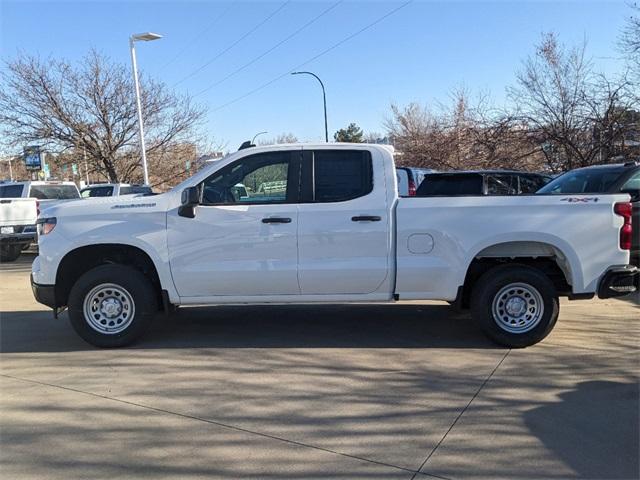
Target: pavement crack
<point x="486" y="380"/>
<point x="227" y="426"/>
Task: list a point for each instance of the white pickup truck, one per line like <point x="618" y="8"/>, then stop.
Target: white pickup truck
<point x="324" y="223"/>
<point x="17" y="225"/>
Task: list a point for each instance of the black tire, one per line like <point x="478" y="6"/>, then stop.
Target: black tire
<point x="504" y="328"/>
<point x="141" y="293"/>
<point x="10" y="253"/>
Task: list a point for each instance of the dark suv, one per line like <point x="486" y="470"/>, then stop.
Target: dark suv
<point x="615" y="178"/>
<point x="481" y="182"/>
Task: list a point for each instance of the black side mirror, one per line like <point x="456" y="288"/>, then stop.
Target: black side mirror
<point x="190" y="198"/>
<point x="633" y="192"/>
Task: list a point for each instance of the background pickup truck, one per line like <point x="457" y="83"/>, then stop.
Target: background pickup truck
<point x="17" y="226"/>
<point x="324" y="223"/>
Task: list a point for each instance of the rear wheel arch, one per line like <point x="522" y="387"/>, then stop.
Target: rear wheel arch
<point x="82" y="259"/>
<point x="545" y="257"/>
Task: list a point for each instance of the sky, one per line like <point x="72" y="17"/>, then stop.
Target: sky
<point x="235" y="56"/>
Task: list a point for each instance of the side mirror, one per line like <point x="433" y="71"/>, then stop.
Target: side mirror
<point x="633" y="192"/>
<point x="188" y="201"/>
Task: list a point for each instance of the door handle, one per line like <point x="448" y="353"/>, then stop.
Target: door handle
<point x="366" y="218"/>
<point x="276" y="220"/>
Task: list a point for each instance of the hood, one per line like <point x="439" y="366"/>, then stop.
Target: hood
<point x="107" y="205"/>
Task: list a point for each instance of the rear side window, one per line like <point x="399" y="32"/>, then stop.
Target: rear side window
<point x="502" y="185"/>
<point x="53" y="192"/>
<point x="341" y="175"/>
<point x="97" y="192"/>
<point x="135" y="189"/>
<point x="450" y="185"/>
<point x="11" y="191"/>
<point x="532" y="183"/>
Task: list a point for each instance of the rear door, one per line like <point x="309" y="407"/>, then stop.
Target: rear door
<point x="344" y="240"/>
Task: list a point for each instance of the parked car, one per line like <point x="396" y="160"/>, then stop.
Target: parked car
<point x="616" y="178"/>
<point x="481" y="182"/>
<point x="17" y="225"/>
<point x="21" y="201"/>
<point x="337" y="233"/>
<point x="114" y="190"/>
<point x="409" y="179"/>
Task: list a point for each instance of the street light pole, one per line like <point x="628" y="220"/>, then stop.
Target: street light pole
<point x="86" y="167"/>
<point x="324" y="100"/>
<point x="256" y="136"/>
<point x="145" y="37"/>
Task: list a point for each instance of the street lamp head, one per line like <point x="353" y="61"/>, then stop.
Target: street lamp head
<point x="145" y="37"/>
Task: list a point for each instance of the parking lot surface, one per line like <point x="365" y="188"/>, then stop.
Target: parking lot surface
<point x="411" y="390"/>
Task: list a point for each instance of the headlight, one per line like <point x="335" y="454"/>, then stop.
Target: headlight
<point x="46" y="225"/>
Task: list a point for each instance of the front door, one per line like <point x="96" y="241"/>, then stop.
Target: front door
<point x="243" y="239"/>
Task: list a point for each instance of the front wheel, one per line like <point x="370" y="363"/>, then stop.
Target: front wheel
<point x="515" y="305"/>
<point x="112" y="305"/>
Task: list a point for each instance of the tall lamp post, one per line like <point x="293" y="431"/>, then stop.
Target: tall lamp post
<point x="253" y="141"/>
<point x="324" y="100"/>
<point x="144" y="37"/>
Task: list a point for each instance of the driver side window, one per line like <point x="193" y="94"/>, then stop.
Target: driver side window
<point x="257" y="179"/>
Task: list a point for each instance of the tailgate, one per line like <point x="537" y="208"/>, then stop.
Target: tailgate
<point x="18" y="211"/>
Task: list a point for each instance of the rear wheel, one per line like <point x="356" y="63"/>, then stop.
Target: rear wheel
<point x="515" y="305"/>
<point x="10" y="253"/>
<point x="112" y="305"/>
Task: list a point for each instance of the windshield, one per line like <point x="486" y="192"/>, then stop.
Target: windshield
<point x="11" y="191"/>
<point x="54" y="192"/>
<point x="588" y="180"/>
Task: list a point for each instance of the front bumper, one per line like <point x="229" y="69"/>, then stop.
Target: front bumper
<point x="45" y="294"/>
<point x="618" y="281"/>
<point x="13" y="238"/>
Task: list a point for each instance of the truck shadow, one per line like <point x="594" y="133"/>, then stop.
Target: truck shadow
<point x="608" y="441"/>
<point x="286" y="326"/>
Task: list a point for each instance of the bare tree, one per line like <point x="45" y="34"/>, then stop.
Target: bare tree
<point x="282" y="138"/>
<point x="464" y="134"/>
<point x="91" y="108"/>
<point x="630" y="38"/>
<point x="419" y="137"/>
<point x="575" y="114"/>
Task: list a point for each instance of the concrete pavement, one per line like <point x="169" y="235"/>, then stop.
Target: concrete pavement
<point x="411" y="390"/>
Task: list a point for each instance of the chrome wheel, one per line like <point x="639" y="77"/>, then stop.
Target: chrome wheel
<point x="109" y="308"/>
<point x="518" y="308"/>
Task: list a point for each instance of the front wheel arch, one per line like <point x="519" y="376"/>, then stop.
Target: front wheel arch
<point x="83" y="259"/>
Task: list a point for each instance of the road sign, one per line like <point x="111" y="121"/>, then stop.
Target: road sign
<point x="33" y="157"/>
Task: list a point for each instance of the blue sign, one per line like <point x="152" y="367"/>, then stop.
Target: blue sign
<point x="33" y="157"/>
